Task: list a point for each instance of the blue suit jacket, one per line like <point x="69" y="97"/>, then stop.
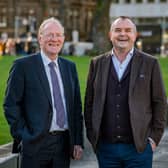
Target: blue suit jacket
<point x="28" y="105"/>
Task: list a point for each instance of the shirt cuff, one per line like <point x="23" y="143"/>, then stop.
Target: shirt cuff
<point x="151" y="140"/>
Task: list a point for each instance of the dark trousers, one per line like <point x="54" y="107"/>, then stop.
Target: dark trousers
<point x="121" y="155"/>
<point x="54" y="152"/>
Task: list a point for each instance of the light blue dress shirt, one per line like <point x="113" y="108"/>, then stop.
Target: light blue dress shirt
<point x="120" y="67"/>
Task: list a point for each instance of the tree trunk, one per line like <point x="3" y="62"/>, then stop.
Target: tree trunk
<point x="101" y="27"/>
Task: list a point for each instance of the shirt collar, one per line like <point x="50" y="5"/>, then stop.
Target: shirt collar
<point x="130" y="54"/>
<point x="46" y="60"/>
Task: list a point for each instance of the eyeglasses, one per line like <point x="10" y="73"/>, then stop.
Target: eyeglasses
<point x="52" y="35"/>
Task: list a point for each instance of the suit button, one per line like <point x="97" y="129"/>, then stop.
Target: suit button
<point x="118" y="136"/>
<point x="118" y="105"/>
<point x="118" y="116"/>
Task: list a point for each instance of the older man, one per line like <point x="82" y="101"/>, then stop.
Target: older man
<point x="43" y="104"/>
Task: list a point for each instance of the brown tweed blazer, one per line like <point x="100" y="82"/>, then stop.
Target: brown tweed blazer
<point x="147" y="98"/>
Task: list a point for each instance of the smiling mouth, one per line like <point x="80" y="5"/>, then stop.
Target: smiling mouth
<point x="122" y="39"/>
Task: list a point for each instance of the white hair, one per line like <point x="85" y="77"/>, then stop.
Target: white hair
<point x="49" y="20"/>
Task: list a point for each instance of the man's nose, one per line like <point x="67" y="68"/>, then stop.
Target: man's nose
<point x="122" y="32"/>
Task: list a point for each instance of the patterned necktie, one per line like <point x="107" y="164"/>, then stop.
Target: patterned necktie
<point x="58" y="103"/>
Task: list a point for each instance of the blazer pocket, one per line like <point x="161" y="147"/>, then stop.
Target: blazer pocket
<point x="143" y="82"/>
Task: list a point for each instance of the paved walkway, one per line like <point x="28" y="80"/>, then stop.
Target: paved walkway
<point x="160" y="159"/>
<point x="88" y="160"/>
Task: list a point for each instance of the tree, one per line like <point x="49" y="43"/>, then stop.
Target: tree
<point x="101" y="27"/>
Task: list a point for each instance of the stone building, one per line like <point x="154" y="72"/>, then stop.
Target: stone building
<point x="20" y="17"/>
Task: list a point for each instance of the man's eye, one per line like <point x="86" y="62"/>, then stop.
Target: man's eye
<point x="128" y="30"/>
<point x="117" y="30"/>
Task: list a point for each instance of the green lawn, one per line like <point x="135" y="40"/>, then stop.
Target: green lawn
<point x="5" y="64"/>
<point x="164" y="68"/>
<point x="82" y="64"/>
<point x="82" y="67"/>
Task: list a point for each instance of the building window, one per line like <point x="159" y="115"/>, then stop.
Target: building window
<point x="3" y="21"/>
<point x="75" y="22"/>
<point x="51" y="12"/>
<point x="3" y="18"/>
<point x="56" y="13"/>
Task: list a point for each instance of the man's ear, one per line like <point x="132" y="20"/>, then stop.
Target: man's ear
<point x="136" y="35"/>
<point x="39" y="39"/>
<point x="109" y="35"/>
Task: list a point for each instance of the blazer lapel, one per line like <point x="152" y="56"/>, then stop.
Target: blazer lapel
<point x="114" y="73"/>
<point x="135" y="68"/>
<point x="43" y="77"/>
<point x="104" y="76"/>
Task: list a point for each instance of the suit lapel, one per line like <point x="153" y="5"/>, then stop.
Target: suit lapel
<point x="65" y="80"/>
<point x="135" y="68"/>
<point x="43" y="77"/>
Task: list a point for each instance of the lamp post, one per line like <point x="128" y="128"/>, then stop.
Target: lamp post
<point x="62" y="10"/>
<point x="163" y="34"/>
<point x="164" y="41"/>
<point x="17" y="20"/>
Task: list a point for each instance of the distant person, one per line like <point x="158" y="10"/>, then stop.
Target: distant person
<point x="10" y="47"/>
<point x="1" y="48"/>
<point x="71" y="49"/>
<point x="43" y="104"/>
<point x="125" y="102"/>
<point x="20" y="47"/>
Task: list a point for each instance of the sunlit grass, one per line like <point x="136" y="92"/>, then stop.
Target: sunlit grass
<point x="82" y="64"/>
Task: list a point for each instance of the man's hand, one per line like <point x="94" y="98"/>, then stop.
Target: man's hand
<point x="152" y="143"/>
<point x="77" y="152"/>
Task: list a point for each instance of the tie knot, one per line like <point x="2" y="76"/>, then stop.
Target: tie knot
<point x="52" y="64"/>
